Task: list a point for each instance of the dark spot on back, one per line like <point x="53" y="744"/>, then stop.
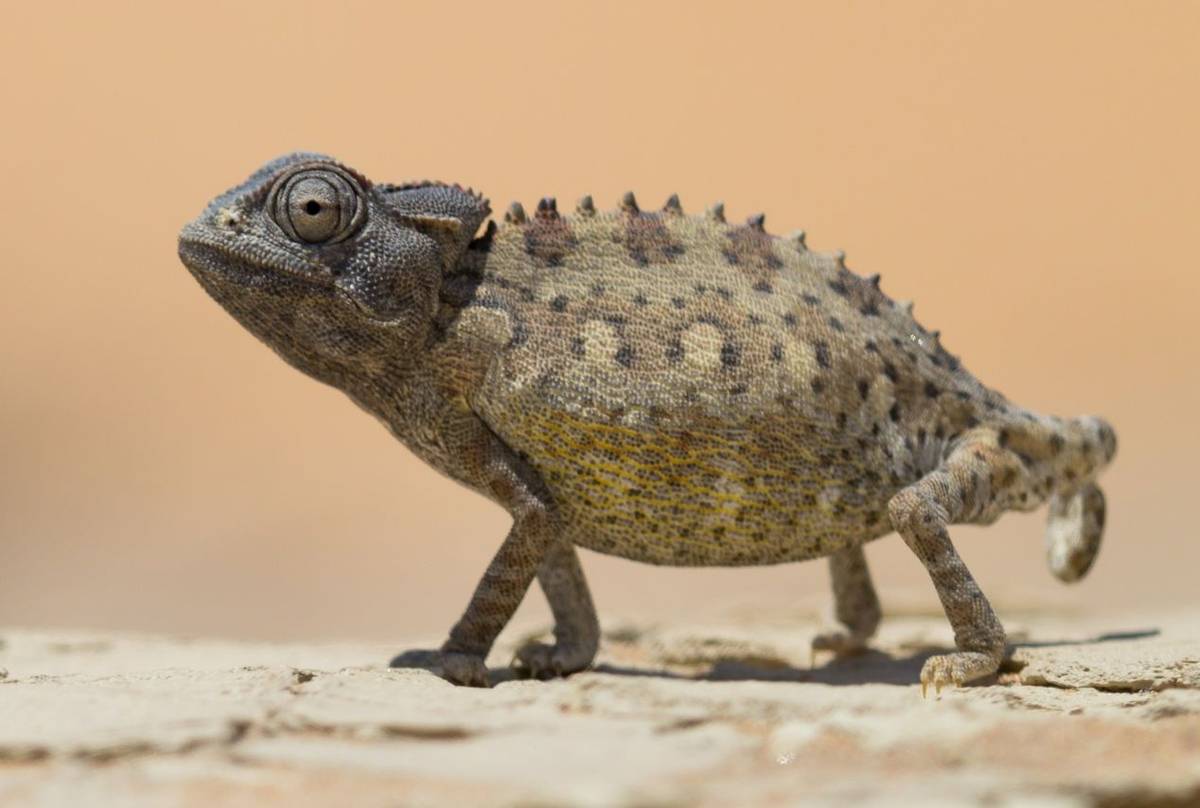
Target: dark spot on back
<point x="889" y="370"/>
<point x="559" y="303"/>
<point x="731" y="355"/>
<point x="751" y="249"/>
<point x="648" y="241"/>
<point x="864" y="388"/>
<point x="548" y="240"/>
<point x="811" y="300"/>
<point x="931" y="390"/>
<point x="776" y="352"/>
<point x="817" y="385"/>
<point x="674" y="350"/>
<point x="822" y="352"/>
<point x="894" y="412"/>
<point x="836" y="324"/>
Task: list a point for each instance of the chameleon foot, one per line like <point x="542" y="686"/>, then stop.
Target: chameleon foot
<point x="541" y="661"/>
<point x="956" y="669"/>
<point x="841" y="643"/>
<point x="459" y="668"/>
<point x="464" y="669"/>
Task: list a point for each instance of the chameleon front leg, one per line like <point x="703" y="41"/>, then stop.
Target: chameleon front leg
<point x="512" y="569"/>
<point x="491" y="467"/>
<point x="856" y="606"/>
<point x="960" y="491"/>
<point x="576" y="629"/>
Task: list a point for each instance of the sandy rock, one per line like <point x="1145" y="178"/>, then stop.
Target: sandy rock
<point x="719" y="714"/>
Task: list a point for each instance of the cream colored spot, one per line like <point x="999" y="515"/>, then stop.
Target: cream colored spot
<point x="702" y="345"/>
<point x="600" y="341"/>
<point x="230" y="218"/>
<point x="729" y="482"/>
<point x="491" y="322"/>
<point x="828" y="499"/>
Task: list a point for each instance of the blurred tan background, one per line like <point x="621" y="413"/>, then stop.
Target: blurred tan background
<point x="1028" y="172"/>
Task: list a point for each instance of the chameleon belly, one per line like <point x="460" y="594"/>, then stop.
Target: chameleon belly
<point x="703" y="494"/>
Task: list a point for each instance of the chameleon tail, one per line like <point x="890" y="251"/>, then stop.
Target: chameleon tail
<point x="1076" y="521"/>
<point x="1073" y="531"/>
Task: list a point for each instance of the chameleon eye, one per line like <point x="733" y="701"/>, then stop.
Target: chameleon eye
<point x="317" y="205"/>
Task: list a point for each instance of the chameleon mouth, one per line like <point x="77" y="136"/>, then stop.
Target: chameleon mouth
<point x="210" y="259"/>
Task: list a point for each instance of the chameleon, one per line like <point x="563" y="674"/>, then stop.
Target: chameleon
<point x="669" y="388"/>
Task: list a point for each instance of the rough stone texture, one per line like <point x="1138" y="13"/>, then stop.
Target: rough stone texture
<point x="1084" y="712"/>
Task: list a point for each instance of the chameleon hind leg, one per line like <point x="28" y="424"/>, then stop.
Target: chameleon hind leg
<point x="966" y="488"/>
<point x="576" y="629"/>
<point x="855" y="604"/>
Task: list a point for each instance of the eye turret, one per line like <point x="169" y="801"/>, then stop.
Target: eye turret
<point x="317" y="204"/>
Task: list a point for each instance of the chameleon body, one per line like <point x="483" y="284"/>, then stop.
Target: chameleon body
<point x="668" y="388"/>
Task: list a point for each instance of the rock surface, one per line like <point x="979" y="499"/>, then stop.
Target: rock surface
<point x="1085" y="713"/>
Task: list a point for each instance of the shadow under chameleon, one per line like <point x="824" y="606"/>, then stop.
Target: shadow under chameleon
<point x="869" y="667"/>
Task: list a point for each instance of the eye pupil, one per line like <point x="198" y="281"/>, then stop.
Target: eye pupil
<point x="312" y="207"/>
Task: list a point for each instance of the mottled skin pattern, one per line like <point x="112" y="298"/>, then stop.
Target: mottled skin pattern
<point x="668" y="388"/>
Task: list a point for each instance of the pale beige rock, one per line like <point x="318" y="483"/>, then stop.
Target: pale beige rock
<point x="718" y="714"/>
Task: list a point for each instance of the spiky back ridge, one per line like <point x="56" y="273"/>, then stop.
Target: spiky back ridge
<point x="630" y="310"/>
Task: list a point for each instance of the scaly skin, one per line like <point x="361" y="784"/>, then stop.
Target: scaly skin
<point x="667" y="388"/>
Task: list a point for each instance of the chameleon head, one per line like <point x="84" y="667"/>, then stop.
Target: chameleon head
<point x="1075" y="524"/>
<point x="322" y="265"/>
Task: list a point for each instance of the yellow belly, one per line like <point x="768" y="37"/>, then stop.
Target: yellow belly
<point x="705" y="493"/>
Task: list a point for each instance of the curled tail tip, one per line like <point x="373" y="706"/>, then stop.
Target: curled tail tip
<point x="1074" y="529"/>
